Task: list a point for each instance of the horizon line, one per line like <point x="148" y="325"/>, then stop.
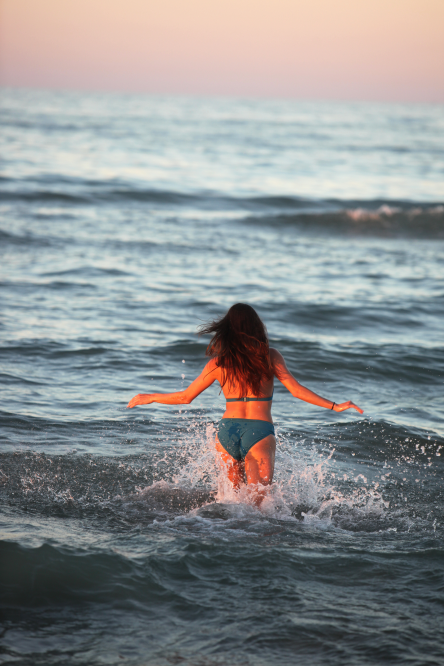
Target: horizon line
<point x="219" y="95"/>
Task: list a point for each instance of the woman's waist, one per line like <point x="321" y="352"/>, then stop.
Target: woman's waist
<point x="246" y="422"/>
<point x="248" y="412"/>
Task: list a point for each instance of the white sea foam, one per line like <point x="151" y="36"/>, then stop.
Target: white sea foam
<point x="307" y="487"/>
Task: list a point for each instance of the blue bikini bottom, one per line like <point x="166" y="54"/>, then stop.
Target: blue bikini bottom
<point x="237" y="436"/>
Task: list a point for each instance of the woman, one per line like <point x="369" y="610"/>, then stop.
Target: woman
<point x="245" y="367"/>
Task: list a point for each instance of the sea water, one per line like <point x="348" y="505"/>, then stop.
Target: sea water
<point x="127" y="221"/>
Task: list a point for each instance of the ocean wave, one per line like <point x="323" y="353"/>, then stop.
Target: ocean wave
<point x="362" y="476"/>
<point x="28" y="239"/>
<point x="49" y="575"/>
<point x="373" y="217"/>
<point x="198" y="601"/>
<point x="416" y="221"/>
<point x="414" y="364"/>
<point x="80" y="192"/>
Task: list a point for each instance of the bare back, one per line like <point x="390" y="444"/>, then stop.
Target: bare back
<point x="260" y="410"/>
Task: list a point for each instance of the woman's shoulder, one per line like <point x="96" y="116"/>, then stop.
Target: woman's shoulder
<point x="275" y="355"/>
<point x="211" y="370"/>
<point x="212" y="365"/>
<point x="277" y="361"/>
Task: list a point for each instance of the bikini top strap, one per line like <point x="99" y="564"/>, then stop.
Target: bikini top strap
<point x="250" y="399"/>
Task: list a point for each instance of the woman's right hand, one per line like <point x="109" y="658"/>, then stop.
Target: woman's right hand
<point x="347" y="405"/>
<point x="140" y="399"/>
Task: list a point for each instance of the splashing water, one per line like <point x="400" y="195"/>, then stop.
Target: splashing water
<point x="306" y="486"/>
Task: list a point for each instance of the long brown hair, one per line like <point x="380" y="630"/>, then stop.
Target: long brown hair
<point x="240" y="347"/>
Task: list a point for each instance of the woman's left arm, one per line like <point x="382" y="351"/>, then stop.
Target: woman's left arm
<point x="303" y="393"/>
<point x="208" y="375"/>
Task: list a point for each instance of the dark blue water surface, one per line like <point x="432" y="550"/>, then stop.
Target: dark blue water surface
<point x="125" y="222"/>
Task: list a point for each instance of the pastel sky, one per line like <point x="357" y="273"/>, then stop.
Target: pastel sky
<point x="388" y="50"/>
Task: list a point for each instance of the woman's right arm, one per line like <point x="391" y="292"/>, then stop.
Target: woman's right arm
<point x="298" y="391"/>
<point x="208" y="375"/>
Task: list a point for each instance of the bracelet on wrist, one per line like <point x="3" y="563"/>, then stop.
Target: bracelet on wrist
<point x="333" y="405"/>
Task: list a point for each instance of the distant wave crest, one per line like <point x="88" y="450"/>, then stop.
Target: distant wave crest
<point x="372" y="217"/>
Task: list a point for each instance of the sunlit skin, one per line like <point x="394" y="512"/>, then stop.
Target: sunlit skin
<point x="258" y="467"/>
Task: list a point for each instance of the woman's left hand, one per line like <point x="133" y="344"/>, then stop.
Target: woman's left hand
<point x="140" y="399"/>
<point x="347" y="405"/>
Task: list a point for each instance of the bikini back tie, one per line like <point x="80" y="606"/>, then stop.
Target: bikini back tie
<point x="250" y="399"/>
